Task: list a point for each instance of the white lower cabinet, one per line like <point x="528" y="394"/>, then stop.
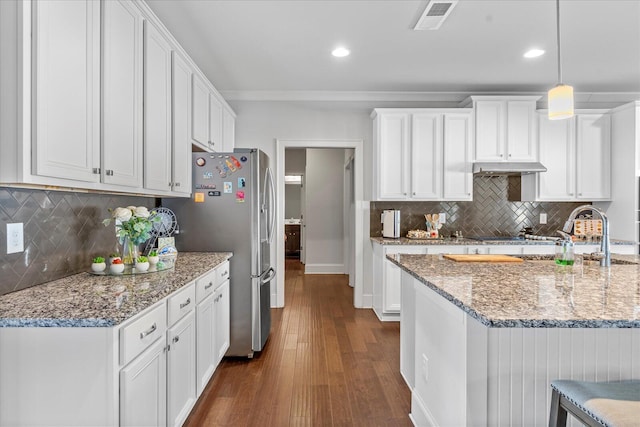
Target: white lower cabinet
<point x="181" y="369"/>
<point x="147" y="371"/>
<point x="143" y="390"/>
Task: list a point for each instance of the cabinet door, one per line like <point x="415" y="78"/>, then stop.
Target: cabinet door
<point x="557" y="154"/>
<point x="490" y="130"/>
<point x="593" y="157"/>
<point x="157" y="110"/>
<point x="181" y="369"/>
<point x="520" y="121"/>
<point x="426" y="156"/>
<point x="206" y="350"/>
<point x="67" y="90"/>
<point x="391" y="298"/>
<point x="215" y="123"/>
<point x="222" y="322"/>
<point x="199" y="112"/>
<point x="143" y="388"/>
<point x="392" y="135"/>
<point x="228" y="131"/>
<point x="181" y="164"/>
<point x="458" y="176"/>
<point x="121" y="94"/>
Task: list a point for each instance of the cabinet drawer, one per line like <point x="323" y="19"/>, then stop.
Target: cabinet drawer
<point x="205" y="285"/>
<point x="181" y="302"/>
<point x="222" y="273"/>
<point x="142" y="332"/>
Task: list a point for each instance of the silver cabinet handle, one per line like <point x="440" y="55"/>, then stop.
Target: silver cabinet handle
<point x="177" y="184"/>
<point x="169" y="184"/>
<point x="176" y="339"/>
<point x="209" y="285"/>
<point x="110" y="172"/>
<point x="186" y="303"/>
<point x="96" y="171"/>
<point x="225" y="273"/>
<point x="148" y="331"/>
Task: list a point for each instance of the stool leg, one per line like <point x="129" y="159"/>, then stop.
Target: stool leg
<point x="557" y="414"/>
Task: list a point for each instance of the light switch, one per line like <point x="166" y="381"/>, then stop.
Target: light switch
<point x="543" y="218"/>
<point x="442" y="218"/>
<point x="15" y="238"/>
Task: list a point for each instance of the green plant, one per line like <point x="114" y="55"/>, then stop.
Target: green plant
<point x="142" y="259"/>
<point x="98" y="260"/>
<point x="114" y="255"/>
<point x="153" y="252"/>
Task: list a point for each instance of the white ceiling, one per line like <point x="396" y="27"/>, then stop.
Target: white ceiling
<point x="249" y="48"/>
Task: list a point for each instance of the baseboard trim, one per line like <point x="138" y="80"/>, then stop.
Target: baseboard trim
<point x="324" y="269"/>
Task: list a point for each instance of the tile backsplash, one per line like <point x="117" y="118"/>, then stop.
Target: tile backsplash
<point x="489" y="214"/>
<point x="63" y="231"/>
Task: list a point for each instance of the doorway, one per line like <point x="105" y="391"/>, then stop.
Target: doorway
<point x="354" y="242"/>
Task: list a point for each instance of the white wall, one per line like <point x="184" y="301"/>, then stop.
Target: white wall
<point x="260" y="123"/>
<point x="324" y="222"/>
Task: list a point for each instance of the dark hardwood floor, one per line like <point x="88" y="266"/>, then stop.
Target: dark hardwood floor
<point x="325" y="364"/>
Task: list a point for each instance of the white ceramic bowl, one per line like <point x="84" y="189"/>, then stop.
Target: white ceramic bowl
<point x="98" y="266"/>
<point x="153" y="260"/>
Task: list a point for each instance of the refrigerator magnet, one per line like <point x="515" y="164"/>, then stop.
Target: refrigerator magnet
<point x="207" y="175"/>
<point x="228" y="187"/>
<point x="241" y="183"/>
<point x="240" y="196"/>
<point x="198" y="197"/>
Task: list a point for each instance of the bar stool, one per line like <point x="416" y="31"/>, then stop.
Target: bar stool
<point x="596" y="403"/>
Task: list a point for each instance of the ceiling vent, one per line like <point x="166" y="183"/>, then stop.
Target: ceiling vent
<point x="434" y="14"/>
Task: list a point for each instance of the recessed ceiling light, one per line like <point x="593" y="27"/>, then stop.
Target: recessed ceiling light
<point x="533" y="53"/>
<point x="340" y="52"/>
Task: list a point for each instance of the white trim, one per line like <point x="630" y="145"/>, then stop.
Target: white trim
<point x="324" y="268"/>
<point x="382" y="96"/>
<point x="359" y="235"/>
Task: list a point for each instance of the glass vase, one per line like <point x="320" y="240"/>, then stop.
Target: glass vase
<point x="130" y="251"/>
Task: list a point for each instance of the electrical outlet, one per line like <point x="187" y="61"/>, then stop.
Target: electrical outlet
<point x="442" y="219"/>
<point x="543" y="218"/>
<point x="15" y="238"/>
<point x="425" y="368"/>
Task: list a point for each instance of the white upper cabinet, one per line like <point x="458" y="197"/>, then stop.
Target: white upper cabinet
<point x="121" y="93"/>
<point x="94" y="82"/>
<point x="577" y="155"/>
<point x="505" y="128"/>
<point x="157" y="111"/>
<point x="181" y="166"/>
<point x="457" y="156"/>
<point x="228" y="131"/>
<point x="67" y="90"/>
<point x="422" y="154"/>
<point x="215" y="123"/>
<point x="199" y="112"/>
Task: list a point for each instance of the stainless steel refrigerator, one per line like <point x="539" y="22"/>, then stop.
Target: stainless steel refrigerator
<point x="232" y="208"/>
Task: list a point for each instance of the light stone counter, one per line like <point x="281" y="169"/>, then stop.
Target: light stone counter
<point x="86" y="300"/>
<point x="535" y="293"/>
<point x="466" y="241"/>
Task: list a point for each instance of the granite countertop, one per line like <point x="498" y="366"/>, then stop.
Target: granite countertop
<point x="535" y="293"/>
<point x="465" y="241"/>
<point x="86" y="300"/>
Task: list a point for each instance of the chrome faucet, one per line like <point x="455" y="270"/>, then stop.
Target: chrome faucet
<point x="605" y="246"/>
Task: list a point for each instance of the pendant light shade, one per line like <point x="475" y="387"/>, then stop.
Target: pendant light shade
<point x="560" y="98"/>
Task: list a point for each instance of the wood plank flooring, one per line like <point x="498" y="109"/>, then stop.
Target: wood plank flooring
<point x="325" y="364"/>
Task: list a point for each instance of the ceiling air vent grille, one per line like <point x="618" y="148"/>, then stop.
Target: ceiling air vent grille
<point x="434" y="14"/>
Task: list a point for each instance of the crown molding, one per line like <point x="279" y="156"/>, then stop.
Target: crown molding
<point x="399" y="96"/>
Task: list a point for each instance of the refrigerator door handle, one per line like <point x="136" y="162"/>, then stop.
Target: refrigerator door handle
<point x="272" y="202"/>
<point x="270" y="274"/>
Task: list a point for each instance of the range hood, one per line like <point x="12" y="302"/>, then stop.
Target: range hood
<point x="507" y="168"/>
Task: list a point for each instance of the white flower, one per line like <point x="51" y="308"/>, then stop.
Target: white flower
<point x="122" y="214"/>
<point x="141" y="212"/>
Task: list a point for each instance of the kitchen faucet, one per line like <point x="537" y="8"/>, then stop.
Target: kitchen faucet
<point x="605" y="246"/>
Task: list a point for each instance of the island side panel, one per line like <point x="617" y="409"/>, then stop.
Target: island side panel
<point x="523" y="361"/>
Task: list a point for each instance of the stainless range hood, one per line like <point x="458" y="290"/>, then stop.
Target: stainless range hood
<point x="507" y="168"/>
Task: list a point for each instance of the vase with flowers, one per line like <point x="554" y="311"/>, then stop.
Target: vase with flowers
<point x="133" y="227"/>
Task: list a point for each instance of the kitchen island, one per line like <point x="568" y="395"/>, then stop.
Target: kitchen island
<point x="481" y="342"/>
<point x="114" y="350"/>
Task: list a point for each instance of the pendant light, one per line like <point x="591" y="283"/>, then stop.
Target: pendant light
<point x="560" y="98"/>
